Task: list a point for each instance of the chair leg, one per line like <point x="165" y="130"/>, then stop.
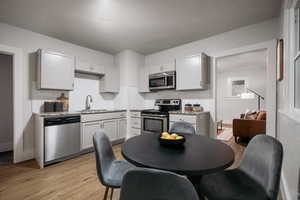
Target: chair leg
<point x="106" y="192"/>
<point x="236" y="139"/>
<point x="111" y="193"/>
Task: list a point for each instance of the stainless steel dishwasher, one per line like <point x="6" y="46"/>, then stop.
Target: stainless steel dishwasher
<point x="62" y="138"/>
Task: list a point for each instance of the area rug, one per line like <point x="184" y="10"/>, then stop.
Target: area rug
<point x="225" y="134"/>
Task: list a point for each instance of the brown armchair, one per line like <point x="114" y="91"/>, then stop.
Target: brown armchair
<point x="248" y="128"/>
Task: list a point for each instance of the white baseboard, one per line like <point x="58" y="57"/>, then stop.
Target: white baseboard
<point x="6" y="146"/>
<point x="285" y="193"/>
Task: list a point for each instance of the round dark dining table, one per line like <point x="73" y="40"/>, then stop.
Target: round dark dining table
<point x="200" y="155"/>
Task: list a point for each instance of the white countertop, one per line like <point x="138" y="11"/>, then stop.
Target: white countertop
<point x="76" y="113"/>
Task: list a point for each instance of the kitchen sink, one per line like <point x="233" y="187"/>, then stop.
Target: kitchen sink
<point x="92" y="111"/>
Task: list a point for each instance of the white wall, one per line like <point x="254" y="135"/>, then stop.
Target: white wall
<point x="228" y="107"/>
<point x="288" y="121"/>
<point x="6" y="103"/>
<point x="29" y="42"/>
<point x="84" y="85"/>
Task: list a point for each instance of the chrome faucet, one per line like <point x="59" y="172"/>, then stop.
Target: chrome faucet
<point x="88" y="102"/>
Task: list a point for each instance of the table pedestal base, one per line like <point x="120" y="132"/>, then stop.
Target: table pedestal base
<point x="195" y="180"/>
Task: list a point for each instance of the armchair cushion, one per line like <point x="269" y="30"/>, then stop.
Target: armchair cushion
<point x="262" y="115"/>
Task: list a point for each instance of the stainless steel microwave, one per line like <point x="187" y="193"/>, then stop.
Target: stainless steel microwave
<point x="162" y="81"/>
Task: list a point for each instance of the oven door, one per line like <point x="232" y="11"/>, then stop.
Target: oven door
<point x="154" y="124"/>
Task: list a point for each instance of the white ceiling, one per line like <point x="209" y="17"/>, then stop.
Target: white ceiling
<point x="256" y="60"/>
<point x="145" y="26"/>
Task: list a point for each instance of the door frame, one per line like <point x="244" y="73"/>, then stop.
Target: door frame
<point x="271" y="94"/>
<point x="17" y="55"/>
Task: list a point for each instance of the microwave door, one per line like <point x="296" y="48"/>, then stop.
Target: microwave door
<point x="170" y="80"/>
<point x="157" y="82"/>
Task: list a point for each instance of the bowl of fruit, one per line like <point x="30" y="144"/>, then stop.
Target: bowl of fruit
<point x="171" y="139"/>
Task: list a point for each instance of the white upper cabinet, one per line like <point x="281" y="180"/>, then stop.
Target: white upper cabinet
<point x="192" y="73"/>
<point x="153" y="69"/>
<point x="143" y="79"/>
<point x="87" y="67"/>
<point x="110" y="82"/>
<point x="55" y="71"/>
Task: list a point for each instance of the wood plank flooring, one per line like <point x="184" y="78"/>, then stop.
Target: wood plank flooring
<point x="74" y="179"/>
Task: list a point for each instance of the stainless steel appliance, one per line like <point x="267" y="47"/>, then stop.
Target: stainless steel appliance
<point x="62" y="138"/>
<point x="162" y="81"/>
<point x="157" y="121"/>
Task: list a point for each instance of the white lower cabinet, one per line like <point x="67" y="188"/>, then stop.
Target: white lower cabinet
<point x="87" y="132"/>
<point x="135" y="125"/>
<point x="135" y="131"/>
<point x="200" y="121"/>
<point x="114" y="125"/>
<point x="111" y="129"/>
<point x="122" y="127"/>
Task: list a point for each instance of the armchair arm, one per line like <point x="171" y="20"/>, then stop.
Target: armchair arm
<point x="248" y="127"/>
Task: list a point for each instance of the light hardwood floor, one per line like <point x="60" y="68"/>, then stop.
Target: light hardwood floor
<point x="74" y="179"/>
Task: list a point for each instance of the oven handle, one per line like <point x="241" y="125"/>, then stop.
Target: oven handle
<point x="154" y="116"/>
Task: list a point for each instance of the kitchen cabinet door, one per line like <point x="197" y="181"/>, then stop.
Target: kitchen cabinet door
<point x="97" y="69"/>
<point x="122" y="128"/>
<point x="162" y="68"/>
<point x="55" y="70"/>
<point x="144" y="79"/>
<point x="82" y="66"/>
<point x="153" y="69"/>
<point x="89" y="68"/>
<point x="87" y="132"/>
<point x="192" y="73"/>
<point x="111" y="129"/>
<point x="110" y="82"/>
<point x="168" y="67"/>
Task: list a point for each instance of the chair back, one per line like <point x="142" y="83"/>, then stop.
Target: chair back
<point x="182" y="127"/>
<point x="104" y="155"/>
<point x="149" y="184"/>
<point x="262" y="162"/>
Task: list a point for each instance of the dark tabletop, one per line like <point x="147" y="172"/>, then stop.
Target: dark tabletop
<point x="200" y="155"/>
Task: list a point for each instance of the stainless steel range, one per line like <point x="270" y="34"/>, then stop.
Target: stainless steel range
<point x="157" y="121"/>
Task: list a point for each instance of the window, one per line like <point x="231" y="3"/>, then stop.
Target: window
<point x="237" y="86"/>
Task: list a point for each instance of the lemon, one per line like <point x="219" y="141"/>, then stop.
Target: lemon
<point x="165" y="134"/>
<point x="179" y="137"/>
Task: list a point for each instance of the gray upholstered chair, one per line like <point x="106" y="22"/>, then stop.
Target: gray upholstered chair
<point x="149" y="184"/>
<point x="257" y="177"/>
<point x="109" y="170"/>
<point x="182" y="127"/>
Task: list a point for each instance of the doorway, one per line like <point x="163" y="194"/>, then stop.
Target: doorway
<point x="271" y="84"/>
<point x="241" y="93"/>
<point x="6" y="107"/>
